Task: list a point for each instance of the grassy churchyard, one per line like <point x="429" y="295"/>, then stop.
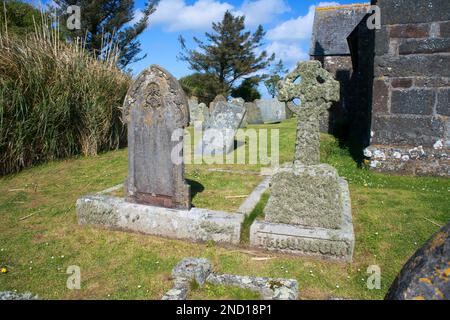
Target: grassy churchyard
<point x="40" y="238"/>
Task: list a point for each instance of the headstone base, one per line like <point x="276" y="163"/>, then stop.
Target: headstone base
<point x="194" y="224"/>
<point x="303" y="240"/>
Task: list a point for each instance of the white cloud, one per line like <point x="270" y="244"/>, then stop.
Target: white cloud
<point x="176" y="15"/>
<point x="262" y="11"/>
<point x="299" y="28"/>
<point x="288" y="52"/>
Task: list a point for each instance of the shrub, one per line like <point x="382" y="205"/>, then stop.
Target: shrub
<point x="56" y="100"/>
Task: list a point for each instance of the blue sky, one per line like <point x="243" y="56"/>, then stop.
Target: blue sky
<point x="288" y="24"/>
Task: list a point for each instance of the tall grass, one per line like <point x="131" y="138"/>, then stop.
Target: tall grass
<point x="56" y="100"/>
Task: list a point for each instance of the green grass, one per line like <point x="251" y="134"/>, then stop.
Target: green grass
<point x="393" y="216"/>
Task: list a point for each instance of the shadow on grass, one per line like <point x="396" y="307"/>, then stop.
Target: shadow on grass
<point x="196" y="187"/>
<point x="255" y="214"/>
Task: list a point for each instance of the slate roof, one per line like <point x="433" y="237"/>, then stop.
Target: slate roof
<point x="332" y="26"/>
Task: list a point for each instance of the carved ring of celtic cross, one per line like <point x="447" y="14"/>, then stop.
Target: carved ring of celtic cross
<point x="316" y="90"/>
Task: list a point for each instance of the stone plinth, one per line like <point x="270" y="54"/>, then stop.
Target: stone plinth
<point x="333" y="243"/>
<point x="306" y="195"/>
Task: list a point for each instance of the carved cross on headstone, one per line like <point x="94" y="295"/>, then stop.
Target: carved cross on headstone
<point x="317" y="90"/>
<point x="155" y="110"/>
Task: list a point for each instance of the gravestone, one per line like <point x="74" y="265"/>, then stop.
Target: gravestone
<point x="426" y="275"/>
<point x="241" y="102"/>
<point x="309" y="205"/>
<point x="272" y="110"/>
<point x="212" y="105"/>
<point x="253" y="113"/>
<point x="219" y="133"/>
<point x="198" y="112"/>
<point x="155" y="107"/>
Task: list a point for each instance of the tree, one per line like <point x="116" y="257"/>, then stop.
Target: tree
<point x="229" y="52"/>
<point x="202" y="85"/>
<point x="20" y="17"/>
<point x="247" y="90"/>
<point x="276" y="74"/>
<point x="108" y="21"/>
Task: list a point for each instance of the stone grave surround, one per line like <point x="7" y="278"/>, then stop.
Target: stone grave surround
<point x="157" y="200"/>
<point x="200" y="271"/>
<point x="309" y="210"/>
<point x="219" y="133"/>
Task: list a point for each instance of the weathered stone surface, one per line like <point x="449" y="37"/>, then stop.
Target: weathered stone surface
<point x="331" y="28"/>
<point x="425" y="46"/>
<point x="241" y="102"/>
<point x="253" y="199"/>
<point x="405" y="11"/>
<point x="407" y="130"/>
<point x="317" y="90"/>
<point x="426" y="274"/>
<point x="198" y="112"/>
<point x="8" y="295"/>
<point x="270" y="289"/>
<point x="307" y="196"/>
<point x="200" y="270"/>
<point x="401" y="83"/>
<point x="381" y="41"/>
<point x="315" y="241"/>
<point x="417" y="160"/>
<point x="155" y="107"/>
<point x="413" y="65"/>
<point x="443" y="102"/>
<point x="218" y="137"/>
<point x="218" y="98"/>
<point x="380" y="97"/>
<point x="272" y="111"/>
<point x="253" y="113"/>
<point x="194" y="224"/>
<point x="416" y="101"/>
<point x="197" y="269"/>
<point x="444" y="29"/>
<point x="410" y="31"/>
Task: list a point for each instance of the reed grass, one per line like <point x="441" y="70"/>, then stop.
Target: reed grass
<point x="56" y="99"/>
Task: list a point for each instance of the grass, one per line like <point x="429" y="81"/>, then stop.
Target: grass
<point x="393" y="216"/>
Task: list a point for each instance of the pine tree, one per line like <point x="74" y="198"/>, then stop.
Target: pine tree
<point x="276" y="74"/>
<point x="108" y="21"/>
<point x="229" y="52"/>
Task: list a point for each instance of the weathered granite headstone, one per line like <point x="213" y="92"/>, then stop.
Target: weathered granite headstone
<point x="309" y="205"/>
<point x="218" y="136"/>
<point x="253" y="113"/>
<point x="241" y="102"/>
<point x="198" y="112"/>
<point x="426" y="275"/>
<point x="212" y="105"/>
<point x="272" y="111"/>
<point x="154" y="108"/>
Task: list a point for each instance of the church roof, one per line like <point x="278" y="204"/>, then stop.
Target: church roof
<point x="332" y="26"/>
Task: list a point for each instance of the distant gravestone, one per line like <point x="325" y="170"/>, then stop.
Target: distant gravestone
<point x="241" y="102"/>
<point x="198" y="112"/>
<point x="272" y="111"/>
<point x="253" y="113"/>
<point x="426" y="275"/>
<point x="218" y="136"/>
<point x="156" y="107"/>
<point x="218" y="98"/>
